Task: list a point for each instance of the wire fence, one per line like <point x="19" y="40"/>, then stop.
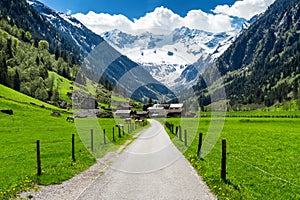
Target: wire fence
<point x="240" y="160"/>
<point x="94" y="140"/>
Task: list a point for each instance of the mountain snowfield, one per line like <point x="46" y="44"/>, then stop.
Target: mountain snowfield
<point x="175" y="59"/>
<point x="170" y="57"/>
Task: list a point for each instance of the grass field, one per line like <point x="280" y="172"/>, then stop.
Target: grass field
<point x="29" y="123"/>
<point x="262" y="160"/>
<point x="19" y="133"/>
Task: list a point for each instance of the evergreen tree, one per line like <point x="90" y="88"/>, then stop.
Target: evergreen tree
<point x="17" y="81"/>
<point x="41" y="94"/>
<point x="57" y="53"/>
<point x="3" y="71"/>
<point x="37" y="61"/>
<point x="55" y="95"/>
<point x="9" y="52"/>
<point x="299" y="98"/>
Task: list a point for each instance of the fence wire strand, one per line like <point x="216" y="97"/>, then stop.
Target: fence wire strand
<point x="255" y="167"/>
<point x="263" y="171"/>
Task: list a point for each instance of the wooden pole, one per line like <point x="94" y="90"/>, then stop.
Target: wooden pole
<point x="38" y="157"/>
<point x="92" y="140"/>
<point x="119" y="129"/>
<point x="73" y="147"/>
<point x="180" y="133"/>
<point x="104" y="137"/>
<point x="199" y="144"/>
<point x="172" y="127"/>
<point x="185" y="137"/>
<point x="223" y="161"/>
<point x="113" y="134"/>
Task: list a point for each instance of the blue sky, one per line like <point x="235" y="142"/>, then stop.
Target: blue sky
<point x="133" y="8"/>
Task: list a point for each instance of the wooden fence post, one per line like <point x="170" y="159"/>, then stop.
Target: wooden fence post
<point x="223" y="161"/>
<point x="38" y="157"/>
<point x="104" y="137"/>
<point x="92" y="140"/>
<point x="113" y="134"/>
<point x="180" y="133"/>
<point x="119" y="132"/>
<point x="185" y="137"/>
<point x="73" y="147"/>
<point x="199" y="144"/>
<point x="176" y="131"/>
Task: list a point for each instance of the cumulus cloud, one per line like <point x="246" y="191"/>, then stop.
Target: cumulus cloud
<point x="163" y="20"/>
<point x="102" y="22"/>
<point x="244" y="9"/>
<point x="198" y="19"/>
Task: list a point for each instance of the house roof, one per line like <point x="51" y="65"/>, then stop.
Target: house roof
<point x="176" y="105"/>
<point x="123" y="111"/>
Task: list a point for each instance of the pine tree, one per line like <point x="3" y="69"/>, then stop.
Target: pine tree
<point x="9" y="52"/>
<point x="17" y="81"/>
<point x="299" y="98"/>
<point x="3" y="71"/>
<point x="55" y="95"/>
<point x="57" y="53"/>
<point x="41" y="94"/>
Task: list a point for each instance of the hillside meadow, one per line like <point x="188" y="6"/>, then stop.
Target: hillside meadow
<point x="262" y="156"/>
<point x="29" y="123"/>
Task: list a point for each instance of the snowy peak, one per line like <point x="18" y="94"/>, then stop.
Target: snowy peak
<point x="172" y="58"/>
<point x="182" y="42"/>
<point x="70" y="27"/>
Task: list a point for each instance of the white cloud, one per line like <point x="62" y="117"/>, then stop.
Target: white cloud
<point x="102" y="22"/>
<point x="159" y="21"/>
<point x="198" y="19"/>
<point x="69" y="12"/>
<point x="244" y="8"/>
<point x="163" y="20"/>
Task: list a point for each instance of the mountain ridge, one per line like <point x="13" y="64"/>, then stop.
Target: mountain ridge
<point x="168" y="58"/>
<point x="69" y="27"/>
<point x="261" y="68"/>
<point x="114" y="61"/>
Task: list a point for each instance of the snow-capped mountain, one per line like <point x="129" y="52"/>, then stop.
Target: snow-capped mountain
<point x="103" y="59"/>
<point x="175" y="59"/>
<point x="70" y="27"/>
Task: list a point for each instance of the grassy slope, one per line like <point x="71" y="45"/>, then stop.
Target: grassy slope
<point x="12" y="95"/>
<point x="19" y="133"/>
<point x="255" y="144"/>
<point x="29" y="123"/>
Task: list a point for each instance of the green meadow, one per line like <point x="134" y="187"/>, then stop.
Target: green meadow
<point x="29" y="123"/>
<point x="262" y="156"/>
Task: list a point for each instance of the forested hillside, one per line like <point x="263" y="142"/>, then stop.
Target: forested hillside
<point x="262" y="67"/>
<point x="19" y="13"/>
<point x="25" y="67"/>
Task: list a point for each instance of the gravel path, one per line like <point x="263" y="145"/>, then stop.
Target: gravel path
<point x="150" y="168"/>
